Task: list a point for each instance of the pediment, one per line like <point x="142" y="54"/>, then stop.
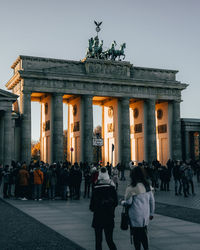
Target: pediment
<point x="5" y="95"/>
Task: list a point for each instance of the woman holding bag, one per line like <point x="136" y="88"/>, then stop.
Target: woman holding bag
<point x="139" y="197"/>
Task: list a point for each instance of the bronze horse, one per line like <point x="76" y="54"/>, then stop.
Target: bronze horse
<point x="120" y="52"/>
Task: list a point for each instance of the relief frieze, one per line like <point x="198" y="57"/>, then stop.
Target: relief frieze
<point x="107" y="70"/>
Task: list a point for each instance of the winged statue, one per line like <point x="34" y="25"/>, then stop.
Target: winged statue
<point x="98" y="24"/>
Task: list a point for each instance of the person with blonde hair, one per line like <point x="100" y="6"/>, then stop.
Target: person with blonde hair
<point x="139" y="197"/>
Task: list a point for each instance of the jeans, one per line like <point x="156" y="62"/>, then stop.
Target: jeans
<point x="178" y="189"/>
<point x="37" y="191"/>
<point x="109" y="238"/>
<point x="5" y="190"/>
<point x="23" y="191"/>
<point x="190" y="183"/>
<point x="87" y="189"/>
<point x="52" y="192"/>
<point x="64" y="191"/>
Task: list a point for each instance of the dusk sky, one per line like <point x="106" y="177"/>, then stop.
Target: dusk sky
<point x="158" y="34"/>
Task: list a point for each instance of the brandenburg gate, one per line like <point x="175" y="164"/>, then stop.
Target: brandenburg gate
<point x="140" y="106"/>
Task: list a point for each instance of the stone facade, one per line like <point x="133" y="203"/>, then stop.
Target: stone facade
<point x="8" y="137"/>
<point x="92" y="81"/>
<point x="190" y="134"/>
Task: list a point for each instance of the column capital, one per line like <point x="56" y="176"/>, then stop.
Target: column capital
<point x="57" y="94"/>
<point x="124" y="98"/>
<point x="88" y="96"/>
<point x="26" y="92"/>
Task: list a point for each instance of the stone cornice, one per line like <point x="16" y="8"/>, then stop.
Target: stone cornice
<point x="123" y="82"/>
<point x="13" y="81"/>
<point x="44" y="59"/>
<point x="156" y="69"/>
<point x="7" y="96"/>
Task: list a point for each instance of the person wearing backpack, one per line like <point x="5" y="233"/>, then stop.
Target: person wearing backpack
<point x="140" y="200"/>
<point x="103" y="203"/>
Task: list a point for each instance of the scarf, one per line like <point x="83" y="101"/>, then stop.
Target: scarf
<point x="138" y="189"/>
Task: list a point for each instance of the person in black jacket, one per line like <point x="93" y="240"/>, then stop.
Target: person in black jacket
<point x="77" y="177"/>
<point x="64" y="181"/>
<point x="103" y="203"/>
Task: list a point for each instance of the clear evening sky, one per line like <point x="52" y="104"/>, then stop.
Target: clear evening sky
<point x="158" y="34"/>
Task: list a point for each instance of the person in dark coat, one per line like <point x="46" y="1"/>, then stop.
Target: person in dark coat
<point x="166" y="178"/>
<point x="6" y="176"/>
<point x="64" y="181"/>
<point x="103" y="203"/>
<point x="77" y="180"/>
<point x="88" y="180"/>
<point x="177" y="178"/>
<point x="109" y="168"/>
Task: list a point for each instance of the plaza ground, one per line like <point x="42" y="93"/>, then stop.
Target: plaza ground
<point x="67" y="224"/>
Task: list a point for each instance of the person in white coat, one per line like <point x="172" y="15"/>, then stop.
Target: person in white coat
<point x="140" y="199"/>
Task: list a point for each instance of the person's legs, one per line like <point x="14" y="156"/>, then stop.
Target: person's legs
<point x="53" y="191"/>
<point x="5" y="190"/>
<point x="35" y="191"/>
<point x="39" y="190"/>
<point x="180" y="187"/>
<point x="98" y="238"/>
<point x="109" y="238"/>
<point x="88" y="191"/>
<point x="185" y="188"/>
<point x="64" y="195"/>
<point x="192" y="186"/>
<point x="144" y="238"/>
<point x="85" y="189"/>
<point x="136" y="238"/>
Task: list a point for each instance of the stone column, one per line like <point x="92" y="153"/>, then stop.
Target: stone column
<point x="151" y="151"/>
<point x="187" y="145"/>
<point x="124" y="131"/>
<point x="87" y="128"/>
<point x="8" y="140"/>
<point x="176" y="132"/>
<point x="1" y="138"/>
<point x="25" y="103"/>
<point x="57" y="127"/>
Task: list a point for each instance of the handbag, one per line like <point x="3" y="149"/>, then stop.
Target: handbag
<point x="124" y="218"/>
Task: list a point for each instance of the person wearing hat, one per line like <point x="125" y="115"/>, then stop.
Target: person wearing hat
<point x="103" y="203"/>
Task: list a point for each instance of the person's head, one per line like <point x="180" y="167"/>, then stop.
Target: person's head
<point x="24" y="166"/>
<point x="137" y="175"/>
<point x="6" y="167"/>
<point x="103" y="174"/>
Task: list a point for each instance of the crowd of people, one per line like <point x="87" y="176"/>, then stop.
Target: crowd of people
<point x="181" y="172"/>
<point x="39" y="180"/>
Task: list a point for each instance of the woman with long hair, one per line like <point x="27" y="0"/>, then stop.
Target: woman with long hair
<point x="139" y="197"/>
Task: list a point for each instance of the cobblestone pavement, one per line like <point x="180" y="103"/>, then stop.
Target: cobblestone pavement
<point x="72" y="219"/>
